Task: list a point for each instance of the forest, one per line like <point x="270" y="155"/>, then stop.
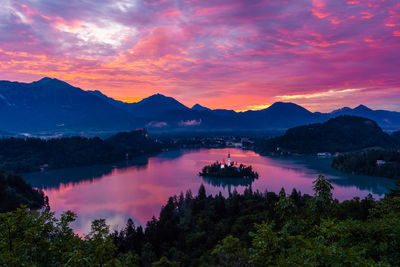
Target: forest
<point x="340" y="134"/>
<point x="14" y="192"/>
<point x="365" y="163"/>
<point x="27" y="155"/>
<point x="249" y="229"/>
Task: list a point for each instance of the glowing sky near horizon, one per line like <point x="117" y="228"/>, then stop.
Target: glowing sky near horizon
<point x="239" y="54"/>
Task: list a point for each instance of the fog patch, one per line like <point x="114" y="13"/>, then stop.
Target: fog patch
<point x="190" y="123"/>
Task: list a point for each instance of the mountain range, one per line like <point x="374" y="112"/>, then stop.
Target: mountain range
<point x="53" y="106"/>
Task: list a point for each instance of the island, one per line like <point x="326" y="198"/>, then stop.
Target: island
<point x="228" y="170"/>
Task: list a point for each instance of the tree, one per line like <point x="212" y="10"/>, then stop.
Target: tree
<point x="202" y="192"/>
<point x="321" y="205"/>
<point x="100" y="243"/>
<point x="164" y="262"/>
<point x="323" y="189"/>
<point x="266" y="246"/>
<point x="230" y="253"/>
<point x="148" y="255"/>
<point x="285" y="208"/>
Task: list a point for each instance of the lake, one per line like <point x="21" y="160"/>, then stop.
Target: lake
<point x="137" y="189"/>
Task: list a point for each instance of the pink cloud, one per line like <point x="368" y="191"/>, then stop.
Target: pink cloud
<point x="157" y="124"/>
<point x="204" y="51"/>
<point x="190" y="123"/>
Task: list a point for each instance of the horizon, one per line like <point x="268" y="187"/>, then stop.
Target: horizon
<point x="230" y="54"/>
<point x="190" y="107"/>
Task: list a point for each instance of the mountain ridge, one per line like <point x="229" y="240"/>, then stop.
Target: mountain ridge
<point x="54" y="105"/>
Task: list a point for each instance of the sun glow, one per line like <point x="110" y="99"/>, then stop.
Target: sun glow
<point x="103" y="32"/>
<point x="330" y="93"/>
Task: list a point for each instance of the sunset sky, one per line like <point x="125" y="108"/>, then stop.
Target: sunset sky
<point x="239" y="54"/>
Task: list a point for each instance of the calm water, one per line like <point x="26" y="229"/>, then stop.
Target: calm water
<point x="138" y="189"/>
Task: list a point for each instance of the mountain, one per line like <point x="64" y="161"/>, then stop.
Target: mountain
<point x="116" y="103"/>
<point x="199" y="107"/>
<point x="341" y="110"/>
<point x="149" y="107"/>
<point x="282" y="115"/>
<point x="155" y="105"/>
<point x="50" y="105"/>
<point x="388" y="120"/>
<point x="225" y="112"/>
<point x="53" y="105"/>
<point x="340" y="134"/>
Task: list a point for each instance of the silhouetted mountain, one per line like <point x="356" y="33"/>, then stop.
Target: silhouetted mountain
<point x="225" y="112"/>
<point x="112" y="101"/>
<point x="362" y="108"/>
<point x="340" y="134"/>
<point x="149" y="107"/>
<point x="283" y="115"/>
<point x="155" y="105"/>
<point x="388" y="120"/>
<point x="341" y="110"/>
<point x="52" y="105"/>
<point x="199" y="107"/>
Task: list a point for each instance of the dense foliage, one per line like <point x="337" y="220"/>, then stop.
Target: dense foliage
<point x="249" y="229"/>
<point x="341" y="134"/>
<point x="366" y="163"/>
<point x="241" y="171"/>
<point x="25" y="155"/>
<point x="396" y="137"/>
<point x="14" y="192"/>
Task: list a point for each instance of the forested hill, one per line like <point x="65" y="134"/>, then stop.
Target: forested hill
<point x="366" y="163"/>
<point x="14" y="191"/>
<point x="27" y="155"/>
<point x="340" y="134"/>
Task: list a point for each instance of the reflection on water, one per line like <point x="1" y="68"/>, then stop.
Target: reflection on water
<point x="138" y="189"/>
<point x="377" y="186"/>
<point x="57" y="178"/>
<point x="228" y="182"/>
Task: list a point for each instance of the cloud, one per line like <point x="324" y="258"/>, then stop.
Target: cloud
<point x="103" y="32"/>
<point x="330" y="93"/>
<point x="157" y="124"/>
<point x="225" y="53"/>
<point x="190" y="123"/>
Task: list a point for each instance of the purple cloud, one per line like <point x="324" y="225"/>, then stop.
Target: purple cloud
<point x="190" y="123"/>
<point x="223" y="53"/>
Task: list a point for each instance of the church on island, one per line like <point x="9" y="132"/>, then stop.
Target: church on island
<point x="228" y="170"/>
<point x="229" y="162"/>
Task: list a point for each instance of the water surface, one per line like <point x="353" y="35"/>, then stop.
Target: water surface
<point x="139" y="188"/>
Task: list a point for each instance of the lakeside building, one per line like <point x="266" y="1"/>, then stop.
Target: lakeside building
<point x="229" y="162"/>
<point x="324" y="154"/>
<point x="380" y="162"/>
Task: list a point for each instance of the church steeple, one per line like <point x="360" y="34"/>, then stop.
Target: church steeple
<point x="229" y="159"/>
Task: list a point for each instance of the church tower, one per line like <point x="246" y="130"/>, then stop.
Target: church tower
<point x="229" y="159"/>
